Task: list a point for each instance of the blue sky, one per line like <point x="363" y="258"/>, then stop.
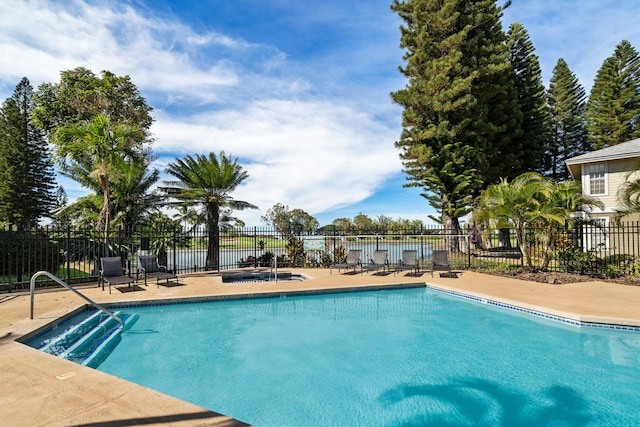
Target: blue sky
<point x="297" y="90"/>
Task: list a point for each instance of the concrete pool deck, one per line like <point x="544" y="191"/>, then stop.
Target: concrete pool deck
<point x="43" y="390"/>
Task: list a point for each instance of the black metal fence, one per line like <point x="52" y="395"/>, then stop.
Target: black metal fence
<point x="73" y="254"/>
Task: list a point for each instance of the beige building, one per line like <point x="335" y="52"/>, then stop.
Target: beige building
<point x="602" y="173"/>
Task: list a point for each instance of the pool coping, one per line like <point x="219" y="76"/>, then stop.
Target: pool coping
<point x="565" y="318"/>
<point x="39" y="391"/>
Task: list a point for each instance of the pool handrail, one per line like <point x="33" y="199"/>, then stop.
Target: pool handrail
<point x="32" y="290"/>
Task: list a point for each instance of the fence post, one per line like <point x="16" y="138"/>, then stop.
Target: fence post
<point x="10" y="250"/>
<point x="468" y="247"/>
<point x="67" y="249"/>
<point x="174" y="243"/>
<point x="526" y="247"/>
<point x="422" y="243"/>
<point x="377" y="238"/>
<point x="255" y="246"/>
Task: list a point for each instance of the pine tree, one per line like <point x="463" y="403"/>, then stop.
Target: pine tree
<point x="566" y="102"/>
<point x="460" y="105"/>
<point x="27" y="180"/>
<point x="613" y="109"/>
<point x="536" y="121"/>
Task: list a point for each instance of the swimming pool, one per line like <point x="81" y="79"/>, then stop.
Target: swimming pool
<point x="383" y="358"/>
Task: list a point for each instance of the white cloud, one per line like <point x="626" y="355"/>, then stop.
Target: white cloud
<point x="41" y="38"/>
<point x="315" y="156"/>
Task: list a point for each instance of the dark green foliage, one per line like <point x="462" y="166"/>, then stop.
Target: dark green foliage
<point x="536" y="121"/>
<point x="27" y="180"/>
<point x="574" y="260"/>
<point x="81" y="95"/>
<point x="266" y="259"/>
<point x="23" y="252"/>
<point x="613" y="109"/>
<point x="461" y="110"/>
<point x="568" y="138"/>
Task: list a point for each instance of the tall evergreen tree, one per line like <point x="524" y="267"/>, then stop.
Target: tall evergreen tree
<point x="613" y="109"/>
<point x="27" y="180"/>
<point x="536" y="121"/>
<point x="568" y="139"/>
<point x="460" y="105"/>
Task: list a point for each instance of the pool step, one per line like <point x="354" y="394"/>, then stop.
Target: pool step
<point x="56" y="344"/>
<point x="106" y="345"/>
<point x="90" y="341"/>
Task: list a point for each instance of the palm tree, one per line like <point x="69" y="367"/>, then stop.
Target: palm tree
<point x="99" y="148"/>
<point x="513" y="204"/>
<point x="190" y="216"/>
<point x="530" y="200"/>
<point x="132" y="195"/>
<point x="207" y="182"/>
<point x="556" y="215"/>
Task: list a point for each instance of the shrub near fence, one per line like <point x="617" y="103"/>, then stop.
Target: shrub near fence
<point x="73" y="254"/>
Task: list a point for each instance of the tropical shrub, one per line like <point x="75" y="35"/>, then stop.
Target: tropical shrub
<point x="266" y="259"/>
<point x="295" y="251"/>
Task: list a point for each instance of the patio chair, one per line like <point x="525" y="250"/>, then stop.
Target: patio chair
<point x="111" y="272"/>
<point x="440" y="261"/>
<point x="353" y="260"/>
<point x="149" y="267"/>
<point x="379" y="261"/>
<point x="409" y="261"/>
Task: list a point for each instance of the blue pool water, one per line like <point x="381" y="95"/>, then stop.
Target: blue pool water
<point x="386" y="358"/>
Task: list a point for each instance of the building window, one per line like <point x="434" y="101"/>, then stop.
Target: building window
<point x="596" y="175"/>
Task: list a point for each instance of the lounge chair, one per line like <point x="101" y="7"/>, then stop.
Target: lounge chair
<point x="379" y="261"/>
<point x="409" y="261"/>
<point x="353" y="260"/>
<point x="149" y="267"/>
<point x="111" y="271"/>
<point x="440" y="261"/>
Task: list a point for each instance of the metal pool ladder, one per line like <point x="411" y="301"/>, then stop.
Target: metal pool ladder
<point x="32" y="289"/>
